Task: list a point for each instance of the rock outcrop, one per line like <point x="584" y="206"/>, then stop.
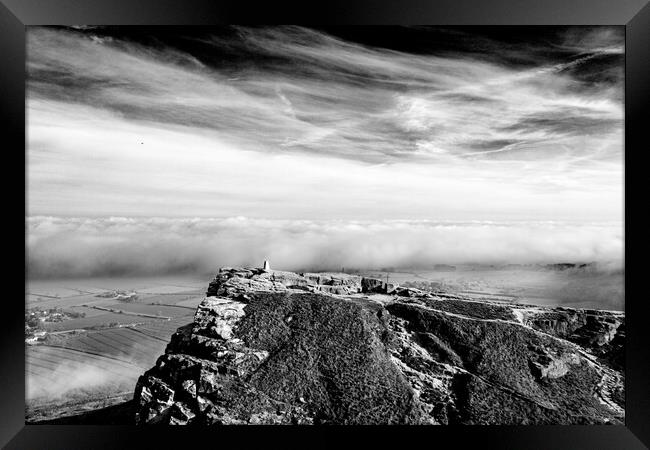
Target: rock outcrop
<point x="231" y="282"/>
<point x="602" y="333"/>
<point x="272" y="347"/>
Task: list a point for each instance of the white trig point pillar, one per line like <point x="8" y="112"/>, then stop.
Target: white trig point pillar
<point x="267" y="266"/>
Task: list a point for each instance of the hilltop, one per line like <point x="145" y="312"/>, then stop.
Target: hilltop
<point x="275" y="347"/>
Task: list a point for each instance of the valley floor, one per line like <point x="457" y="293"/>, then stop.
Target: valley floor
<point x="93" y="362"/>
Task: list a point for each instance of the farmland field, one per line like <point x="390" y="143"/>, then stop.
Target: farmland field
<point x="156" y="309"/>
<point x="104" y="319"/>
<point x="97" y="359"/>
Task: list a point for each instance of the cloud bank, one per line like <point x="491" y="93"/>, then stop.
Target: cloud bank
<point x="80" y="247"/>
<point x="78" y="378"/>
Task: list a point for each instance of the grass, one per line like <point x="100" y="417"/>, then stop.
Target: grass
<point x="500" y="387"/>
<point x="122" y="343"/>
<point x="479" y="310"/>
<point x="98" y="412"/>
<point x="328" y="352"/>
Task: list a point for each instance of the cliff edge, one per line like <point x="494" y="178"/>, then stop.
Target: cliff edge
<point x="274" y="347"/>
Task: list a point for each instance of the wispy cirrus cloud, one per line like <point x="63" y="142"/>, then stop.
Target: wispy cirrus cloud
<point x="308" y="124"/>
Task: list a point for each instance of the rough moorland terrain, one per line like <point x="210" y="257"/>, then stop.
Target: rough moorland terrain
<point x="271" y="347"/>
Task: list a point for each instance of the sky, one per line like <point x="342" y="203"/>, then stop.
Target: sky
<point x="371" y="129"/>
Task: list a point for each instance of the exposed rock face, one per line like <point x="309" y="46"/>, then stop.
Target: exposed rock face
<point x="283" y="348"/>
<point x="200" y="378"/>
<point x="373" y="285"/>
<point x="230" y="282"/>
<point x="600" y="332"/>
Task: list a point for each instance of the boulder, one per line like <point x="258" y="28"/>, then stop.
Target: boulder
<point x="372" y="286"/>
<point x="408" y="292"/>
<point x="391" y="288"/>
<point x="545" y="364"/>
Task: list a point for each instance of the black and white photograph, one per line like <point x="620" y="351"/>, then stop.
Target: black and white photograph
<point x="344" y="225"/>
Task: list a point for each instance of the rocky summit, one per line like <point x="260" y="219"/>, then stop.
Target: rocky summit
<point x="274" y="347"/>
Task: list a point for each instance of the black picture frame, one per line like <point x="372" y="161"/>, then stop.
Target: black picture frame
<point x="633" y="14"/>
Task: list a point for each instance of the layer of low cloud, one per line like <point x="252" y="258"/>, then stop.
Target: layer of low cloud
<point x="79" y="247"/>
<point x="83" y="378"/>
<point x="71" y="378"/>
